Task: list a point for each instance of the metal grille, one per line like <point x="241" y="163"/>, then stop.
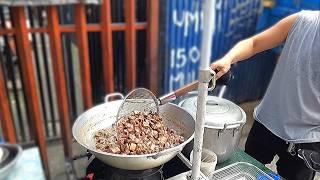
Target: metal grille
<point x="139" y="99"/>
<point x="240" y="171"/>
<point x="56" y="61"/>
<point x="37" y="21"/>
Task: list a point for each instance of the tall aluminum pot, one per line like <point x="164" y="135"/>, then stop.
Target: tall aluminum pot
<point x="104" y="115"/>
<point x="223" y="125"/>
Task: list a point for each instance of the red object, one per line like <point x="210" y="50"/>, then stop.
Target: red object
<point x="90" y="176"/>
<point x="83" y="47"/>
<point x="29" y="81"/>
<point x="60" y="80"/>
<point x="152" y="41"/>
<point x="107" y="50"/>
<point x="130" y="39"/>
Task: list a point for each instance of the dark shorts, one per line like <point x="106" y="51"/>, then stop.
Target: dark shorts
<point x="263" y="145"/>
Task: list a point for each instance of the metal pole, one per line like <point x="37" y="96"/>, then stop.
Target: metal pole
<point x="204" y="78"/>
<point x="208" y="30"/>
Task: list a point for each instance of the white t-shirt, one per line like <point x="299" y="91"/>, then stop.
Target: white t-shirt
<point x="290" y="108"/>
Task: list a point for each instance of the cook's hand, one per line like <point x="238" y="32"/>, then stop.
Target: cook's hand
<point x="222" y="65"/>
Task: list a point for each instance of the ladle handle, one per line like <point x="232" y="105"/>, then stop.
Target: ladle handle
<point x="179" y="92"/>
<point x="187" y="88"/>
<point x="225" y="79"/>
<point x="228" y="76"/>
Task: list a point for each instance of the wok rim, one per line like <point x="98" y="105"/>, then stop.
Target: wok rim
<point x="166" y="151"/>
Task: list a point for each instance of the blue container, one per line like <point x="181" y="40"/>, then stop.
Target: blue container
<point x="272" y="175"/>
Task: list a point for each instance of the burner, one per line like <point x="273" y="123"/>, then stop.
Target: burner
<point x="101" y="171"/>
<point x="97" y="170"/>
<point x="149" y="174"/>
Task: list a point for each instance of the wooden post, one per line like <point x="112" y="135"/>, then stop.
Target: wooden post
<point x="82" y="42"/>
<point x="29" y="81"/>
<point x="107" y="51"/>
<point x="152" y="43"/>
<point x="5" y="112"/>
<point x="59" y="78"/>
<point x="131" y="70"/>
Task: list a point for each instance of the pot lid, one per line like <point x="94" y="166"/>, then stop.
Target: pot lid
<point x="219" y="112"/>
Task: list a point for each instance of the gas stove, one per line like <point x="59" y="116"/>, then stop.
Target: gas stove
<point x="97" y="170"/>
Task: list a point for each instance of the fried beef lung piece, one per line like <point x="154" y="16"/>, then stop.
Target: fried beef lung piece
<point x="138" y="133"/>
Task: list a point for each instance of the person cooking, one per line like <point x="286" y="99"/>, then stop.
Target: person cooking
<point x="287" y="120"/>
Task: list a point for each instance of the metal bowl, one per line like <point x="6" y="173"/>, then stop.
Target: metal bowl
<point x="10" y="157"/>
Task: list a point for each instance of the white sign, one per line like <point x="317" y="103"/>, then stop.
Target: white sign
<point x="184" y="61"/>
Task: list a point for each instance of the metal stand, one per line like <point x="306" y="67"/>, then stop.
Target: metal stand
<point x="70" y="172"/>
<point x="204" y="78"/>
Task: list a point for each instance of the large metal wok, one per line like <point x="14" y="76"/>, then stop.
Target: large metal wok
<point x="104" y="115"/>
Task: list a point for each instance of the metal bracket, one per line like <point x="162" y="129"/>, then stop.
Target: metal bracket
<point x="222" y="130"/>
<point x="208" y="76"/>
<point x="205" y="75"/>
<point x="69" y="169"/>
<point x="113" y="95"/>
<point x="237" y="129"/>
<point x="189" y="165"/>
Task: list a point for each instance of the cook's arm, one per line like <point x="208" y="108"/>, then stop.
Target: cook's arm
<point x="244" y="49"/>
